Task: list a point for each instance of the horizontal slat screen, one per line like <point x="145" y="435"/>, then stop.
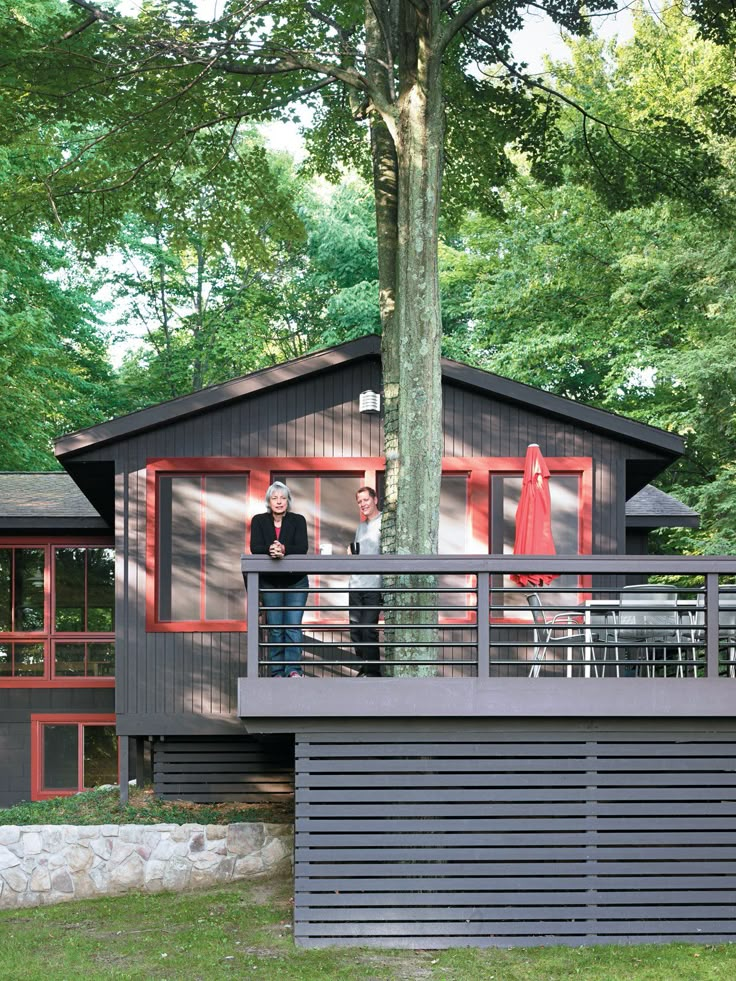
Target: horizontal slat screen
<point x="557" y="835"/>
<point x="223" y="769"/>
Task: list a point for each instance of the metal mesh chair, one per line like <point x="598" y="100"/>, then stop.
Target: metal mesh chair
<point x="727" y="626"/>
<point x="547" y="634"/>
<point x="649" y="624"/>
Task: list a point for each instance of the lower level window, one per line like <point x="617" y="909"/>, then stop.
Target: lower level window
<point x="20" y="660"/>
<point x="71" y="755"/>
<point x="84" y="660"/>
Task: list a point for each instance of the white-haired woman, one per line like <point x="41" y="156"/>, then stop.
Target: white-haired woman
<point x="279" y="532"/>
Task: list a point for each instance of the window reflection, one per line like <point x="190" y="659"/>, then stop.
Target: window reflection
<point x="69" y="660"/>
<point x="225" y="512"/>
<point x="201" y="536"/>
<point x="565" y="503"/>
<point x="69" y="569"/>
<point x="82" y="586"/>
<point x="64" y="769"/>
<point x="100" y="756"/>
<point x="84" y="590"/>
<point x="29" y="661"/>
<point x="453" y="536"/>
<point x="101" y="660"/>
<point x="27" y="589"/>
<point x="60" y="757"/>
<point x="6" y="578"/>
<point x="100" y="590"/>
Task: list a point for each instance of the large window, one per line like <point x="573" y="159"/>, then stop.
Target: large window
<point x="198" y="512"/>
<point x="85" y="590"/>
<point x="22" y="577"/>
<point x="328" y="503"/>
<point x="70" y="754"/>
<point x="565" y="495"/>
<point x="201" y="536"/>
<point x="57" y="610"/>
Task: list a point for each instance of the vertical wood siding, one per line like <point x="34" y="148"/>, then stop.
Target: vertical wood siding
<point x="522" y="835"/>
<point x="186" y="675"/>
<point x="16" y="707"/>
<point x="193" y="675"/>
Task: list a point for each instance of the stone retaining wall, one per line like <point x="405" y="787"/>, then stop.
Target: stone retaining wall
<point x="44" y="864"/>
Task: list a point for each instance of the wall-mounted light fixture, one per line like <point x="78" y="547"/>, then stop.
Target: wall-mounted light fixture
<point x="369" y="402"/>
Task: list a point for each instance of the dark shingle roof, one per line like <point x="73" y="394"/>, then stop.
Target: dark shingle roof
<point x="29" y="500"/>
<point x="652" y="508"/>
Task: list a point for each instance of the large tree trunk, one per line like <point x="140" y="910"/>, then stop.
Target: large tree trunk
<point x="410" y="159"/>
<point x="417" y="319"/>
<point x="386" y="190"/>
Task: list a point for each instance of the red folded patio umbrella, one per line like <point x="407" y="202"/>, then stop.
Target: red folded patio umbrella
<point x="534" y="517"/>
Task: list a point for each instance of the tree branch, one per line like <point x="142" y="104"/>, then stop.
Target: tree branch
<point x="459" y="21"/>
<point x="341" y="32"/>
<point x="78" y="30"/>
<point x="97" y="13"/>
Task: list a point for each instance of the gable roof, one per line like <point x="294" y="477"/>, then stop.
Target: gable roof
<point x="652" y="508"/>
<point x="36" y="501"/>
<point x="534" y="399"/>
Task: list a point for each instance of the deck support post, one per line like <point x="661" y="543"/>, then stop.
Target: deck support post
<point x="124" y="758"/>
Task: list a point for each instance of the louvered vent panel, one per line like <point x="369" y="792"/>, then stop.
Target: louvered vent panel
<point x="223" y="769"/>
<point x="529" y="838"/>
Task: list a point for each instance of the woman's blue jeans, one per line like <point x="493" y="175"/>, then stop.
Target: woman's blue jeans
<point x="285" y="627"/>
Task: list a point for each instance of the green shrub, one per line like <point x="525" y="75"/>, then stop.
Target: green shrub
<point x="103" y="807"/>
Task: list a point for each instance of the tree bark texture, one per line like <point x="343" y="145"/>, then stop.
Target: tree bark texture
<point x="407" y="144"/>
<point x="407" y="167"/>
<point x="380" y="38"/>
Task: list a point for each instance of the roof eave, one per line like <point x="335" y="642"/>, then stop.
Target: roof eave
<point x="586" y="415"/>
<point x="663" y="521"/>
<point x="164" y="413"/>
<point x="213" y="397"/>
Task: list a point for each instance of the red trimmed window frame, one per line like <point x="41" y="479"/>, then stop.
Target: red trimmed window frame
<point x="559" y="466"/>
<point x="38" y="721"/>
<point x="49" y="637"/>
<point x="260" y="470"/>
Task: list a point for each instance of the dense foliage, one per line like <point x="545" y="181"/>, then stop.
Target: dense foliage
<point x="587" y="247"/>
<point x="624" y="298"/>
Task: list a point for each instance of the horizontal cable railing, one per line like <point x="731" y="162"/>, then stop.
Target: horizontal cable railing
<point x="469" y="616"/>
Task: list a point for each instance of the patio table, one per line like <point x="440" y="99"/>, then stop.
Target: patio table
<point x="606" y="614"/>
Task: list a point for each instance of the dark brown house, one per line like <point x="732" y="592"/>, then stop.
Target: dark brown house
<point x="528" y="792"/>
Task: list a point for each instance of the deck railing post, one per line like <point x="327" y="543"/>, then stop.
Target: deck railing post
<point x="483" y="624"/>
<point x="124" y="769"/>
<point x="711" y="624"/>
<point x="252" y="613"/>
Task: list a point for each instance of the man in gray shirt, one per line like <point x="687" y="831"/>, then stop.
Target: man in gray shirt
<point x="365" y="590"/>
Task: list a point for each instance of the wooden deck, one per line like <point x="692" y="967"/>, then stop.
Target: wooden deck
<point x="483" y="656"/>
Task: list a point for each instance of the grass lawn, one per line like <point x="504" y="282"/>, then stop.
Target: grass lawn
<point x="244" y="931"/>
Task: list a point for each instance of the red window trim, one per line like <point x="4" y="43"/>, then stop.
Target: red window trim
<point x="558" y="466"/>
<point x="48" y="636"/>
<point x="260" y="470"/>
<point x="46" y="718"/>
<point x="323" y="614"/>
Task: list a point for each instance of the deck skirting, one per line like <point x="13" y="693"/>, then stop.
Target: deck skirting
<point x="516" y="833"/>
